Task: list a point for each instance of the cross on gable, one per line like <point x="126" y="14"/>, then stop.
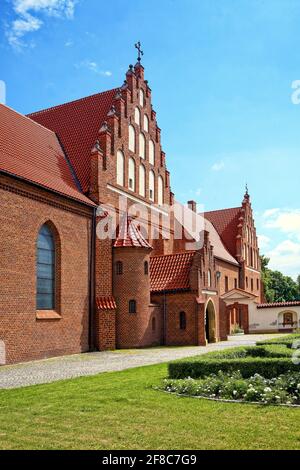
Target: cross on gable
<point x="139" y="48"/>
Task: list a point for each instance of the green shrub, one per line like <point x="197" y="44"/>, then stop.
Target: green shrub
<point x="287" y="340"/>
<point x="276" y="350"/>
<point x="268" y="367"/>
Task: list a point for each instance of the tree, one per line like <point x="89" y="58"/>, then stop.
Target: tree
<point x="277" y="287"/>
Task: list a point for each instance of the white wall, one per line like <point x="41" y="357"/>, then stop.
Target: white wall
<point x="269" y="319"/>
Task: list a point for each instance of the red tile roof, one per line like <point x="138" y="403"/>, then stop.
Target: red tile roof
<point x="171" y="272"/>
<point x="129" y="235"/>
<point x="32" y="152"/>
<point x="106" y="303"/>
<point x="226" y="223"/>
<point x="77" y="124"/>
<point x="280" y="304"/>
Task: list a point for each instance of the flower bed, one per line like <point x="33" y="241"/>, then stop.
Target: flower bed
<point x="284" y="389"/>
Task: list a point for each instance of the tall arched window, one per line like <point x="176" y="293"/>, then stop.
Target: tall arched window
<point x="45" y="269"/>
<point x="151" y="185"/>
<point x="120" y="168"/>
<point x="131" y="174"/>
<point x="151" y="152"/>
<point x="141" y="97"/>
<point x="132" y="306"/>
<point x="142" y="145"/>
<point x="137" y="116"/>
<point x="142" y="181"/>
<point x="146" y="123"/>
<point x="131" y="138"/>
<point x="160" y="191"/>
<point x="182" y="320"/>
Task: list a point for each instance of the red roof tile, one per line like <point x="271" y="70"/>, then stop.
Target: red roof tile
<point x="32" y="152"/>
<point x="106" y="303"/>
<point x="77" y="124"/>
<point x="226" y="223"/>
<point x="129" y="235"/>
<point x="171" y="272"/>
<point x="280" y="304"/>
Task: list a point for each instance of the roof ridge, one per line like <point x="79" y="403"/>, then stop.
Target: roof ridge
<point x="25" y="116"/>
<point x="52" y="108"/>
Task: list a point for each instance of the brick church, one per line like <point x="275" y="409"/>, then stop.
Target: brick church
<point x="64" y="289"/>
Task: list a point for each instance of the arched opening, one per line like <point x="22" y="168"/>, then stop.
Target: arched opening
<point x="210" y="322"/>
<point x="131" y="138"/>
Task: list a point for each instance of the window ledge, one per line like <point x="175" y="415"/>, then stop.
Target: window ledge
<point x="47" y="315"/>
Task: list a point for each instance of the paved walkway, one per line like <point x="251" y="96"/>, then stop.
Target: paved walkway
<point x="67" y="367"/>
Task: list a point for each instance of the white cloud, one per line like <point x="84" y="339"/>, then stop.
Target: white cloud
<point x="94" y="67"/>
<point x="28" y="21"/>
<point x="263" y="241"/>
<point x="286" y="220"/>
<point x="69" y="43"/>
<point x="285" y="257"/>
<point x="218" y="166"/>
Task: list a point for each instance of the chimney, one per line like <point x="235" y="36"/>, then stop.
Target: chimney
<point x="192" y="205"/>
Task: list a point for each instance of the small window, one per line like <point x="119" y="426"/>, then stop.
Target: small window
<point x="141" y="97"/>
<point x="137" y="116"/>
<point x="131" y="138"/>
<point x="132" y="306"/>
<point x="146" y="267"/>
<point x="247" y="282"/>
<point x="153" y="324"/>
<point x="209" y="278"/>
<point x="252" y="285"/>
<point x="257" y="284"/>
<point x="235" y="283"/>
<point x="182" y="321"/>
<point x="146" y="123"/>
<point x="226" y="284"/>
<point x="119" y="267"/>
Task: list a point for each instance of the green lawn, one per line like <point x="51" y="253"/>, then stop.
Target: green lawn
<point x="120" y="410"/>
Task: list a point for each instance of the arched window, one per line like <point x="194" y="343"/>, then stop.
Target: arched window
<point x="119" y="267"/>
<point x="131" y="138"/>
<point x="288" y="319"/>
<point x="209" y="278"/>
<point x="146" y="123"/>
<point x="160" y="189"/>
<point x="131" y="174"/>
<point x="132" y="306"/>
<point x="146" y="267"/>
<point x="120" y="168"/>
<point x="151" y="152"/>
<point x="142" y="146"/>
<point x="142" y="181"/>
<point x="141" y="97"/>
<point x="137" y="116"/>
<point x="182" y="321"/>
<point x="45" y="269"/>
<point x="151" y="185"/>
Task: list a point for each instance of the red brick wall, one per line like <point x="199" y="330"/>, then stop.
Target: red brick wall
<point x="23" y="210"/>
<point x="134" y="329"/>
<point x="105" y="330"/>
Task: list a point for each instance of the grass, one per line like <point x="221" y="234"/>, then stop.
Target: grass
<point x="121" y="410"/>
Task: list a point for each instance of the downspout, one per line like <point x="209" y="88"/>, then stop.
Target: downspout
<point x="165" y="319"/>
<point x="92" y="283"/>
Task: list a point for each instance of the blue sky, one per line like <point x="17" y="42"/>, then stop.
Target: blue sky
<point x="221" y="74"/>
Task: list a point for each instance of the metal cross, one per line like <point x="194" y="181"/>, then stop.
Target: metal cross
<point x="247" y="192"/>
<point x="138" y="47"/>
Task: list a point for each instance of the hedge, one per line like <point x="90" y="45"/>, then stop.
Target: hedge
<point x="268" y="367"/>
<point x="282" y="340"/>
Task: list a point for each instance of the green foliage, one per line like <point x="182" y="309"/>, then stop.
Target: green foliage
<point x="283" y="340"/>
<point x="233" y="386"/>
<point x="277" y="287"/>
<point x="268" y="360"/>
